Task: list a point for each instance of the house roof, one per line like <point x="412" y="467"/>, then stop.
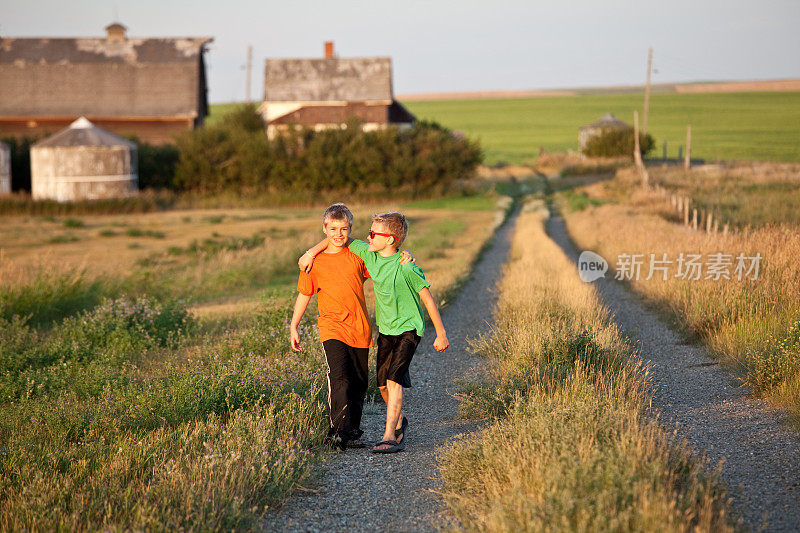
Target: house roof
<point x="608" y="121"/>
<point x="102" y="77"/>
<point x="84" y="133"/>
<point x="363" y="79"/>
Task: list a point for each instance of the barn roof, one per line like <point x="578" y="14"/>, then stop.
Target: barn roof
<point x="360" y="79"/>
<point x="113" y="76"/>
<point x="84" y="133"/>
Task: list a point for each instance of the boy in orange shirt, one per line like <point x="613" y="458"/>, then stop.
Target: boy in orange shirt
<point x="337" y="278"/>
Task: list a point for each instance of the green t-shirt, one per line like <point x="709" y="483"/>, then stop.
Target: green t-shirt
<point x="397" y="304"/>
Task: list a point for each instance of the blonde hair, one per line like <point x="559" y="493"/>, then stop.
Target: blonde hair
<point x="337" y="212"/>
<point x="395" y="223"/>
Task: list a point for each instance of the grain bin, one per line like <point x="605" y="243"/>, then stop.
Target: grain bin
<point x="5" y="168"/>
<point x="606" y="123"/>
<point x="83" y="162"/>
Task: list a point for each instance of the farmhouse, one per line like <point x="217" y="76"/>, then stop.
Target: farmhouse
<point x="607" y="122"/>
<point x="83" y="162"/>
<point x="151" y="88"/>
<point x="322" y="93"/>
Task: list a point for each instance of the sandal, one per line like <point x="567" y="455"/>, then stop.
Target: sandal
<point x="400" y="434"/>
<point x="393" y="447"/>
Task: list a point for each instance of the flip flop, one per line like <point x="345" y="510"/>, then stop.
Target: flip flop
<point x="394" y="447"/>
<point x="402" y="431"/>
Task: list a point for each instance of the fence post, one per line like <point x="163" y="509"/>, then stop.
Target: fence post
<point x="685" y="211"/>
<point x="709" y="216"/>
<point x="694" y="219"/>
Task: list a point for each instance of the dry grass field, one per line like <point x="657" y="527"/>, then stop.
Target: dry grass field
<point x="753" y="324"/>
<point x="571" y="445"/>
<point x="146" y="380"/>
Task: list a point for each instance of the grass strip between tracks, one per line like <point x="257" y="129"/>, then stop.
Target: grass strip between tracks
<point x="571" y="444"/>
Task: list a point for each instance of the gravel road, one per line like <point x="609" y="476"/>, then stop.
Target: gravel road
<point x="362" y="491"/>
<point x="760" y="454"/>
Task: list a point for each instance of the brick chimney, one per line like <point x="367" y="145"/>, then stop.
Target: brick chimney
<point x="329" y="49"/>
<point x="115" y="32"/>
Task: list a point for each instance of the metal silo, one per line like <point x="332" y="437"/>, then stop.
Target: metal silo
<point x="5" y="168"/>
<point x="83" y="162"/>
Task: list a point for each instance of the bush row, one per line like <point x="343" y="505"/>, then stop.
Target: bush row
<point x="237" y="155"/>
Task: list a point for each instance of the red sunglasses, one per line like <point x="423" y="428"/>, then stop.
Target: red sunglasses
<point x="373" y="233"/>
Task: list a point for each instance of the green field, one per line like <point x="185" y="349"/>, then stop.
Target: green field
<point x="740" y="126"/>
<point x="217" y="111"/>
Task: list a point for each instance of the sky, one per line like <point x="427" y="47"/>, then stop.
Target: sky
<point x="465" y="45"/>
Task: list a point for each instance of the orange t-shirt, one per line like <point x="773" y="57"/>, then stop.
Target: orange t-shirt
<point x="338" y="280"/>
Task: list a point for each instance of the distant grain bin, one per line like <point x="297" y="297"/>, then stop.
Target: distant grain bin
<point x="83" y="162"/>
<point x="5" y="168"/>
<point x="606" y="123"/>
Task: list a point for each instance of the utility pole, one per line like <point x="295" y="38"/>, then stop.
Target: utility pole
<point x="249" y="70"/>
<point x="637" y="154"/>
<point x="647" y="90"/>
<point x="687" y="162"/>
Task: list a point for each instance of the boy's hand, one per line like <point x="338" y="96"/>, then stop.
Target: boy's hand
<point x="295" y="340"/>
<point x="305" y="262"/>
<point x="441" y="343"/>
<point x="406" y="257"/>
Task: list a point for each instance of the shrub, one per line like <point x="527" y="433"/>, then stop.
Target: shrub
<point x="157" y="165"/>
<point x="83" y="352"/>
<point x="73" y="223"/>
<point x="617" y="142"/>
<point x="123" y="325"/>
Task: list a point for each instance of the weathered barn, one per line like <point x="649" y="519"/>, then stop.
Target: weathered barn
<point x="607" y="122"/>
<point x="323" y="93"/>
<point x="152" y="88"/>
<point x="83" y="162"/>
<point x="5" y="168"/>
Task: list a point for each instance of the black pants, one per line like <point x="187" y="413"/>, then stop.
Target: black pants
<point x="347" y="386"/>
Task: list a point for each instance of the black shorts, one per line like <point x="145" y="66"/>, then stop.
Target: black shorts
<point x="394" y="357"/>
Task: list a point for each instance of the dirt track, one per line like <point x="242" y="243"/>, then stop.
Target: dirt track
<point x="759" y="454"/>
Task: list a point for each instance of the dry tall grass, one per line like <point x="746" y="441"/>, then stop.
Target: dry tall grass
<point x="573" y="447"/>
<point x="751" y="324"/>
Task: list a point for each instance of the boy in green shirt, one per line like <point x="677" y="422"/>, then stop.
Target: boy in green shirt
<point x="400" y="292"/>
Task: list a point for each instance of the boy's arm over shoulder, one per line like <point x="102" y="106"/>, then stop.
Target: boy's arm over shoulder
<point x="306" y="260"/>
<point x="360" y="248"/>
